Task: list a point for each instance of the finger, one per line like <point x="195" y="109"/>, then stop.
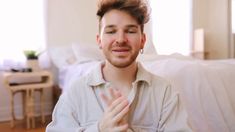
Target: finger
<point x="121" y="114"/>
<point x="116" y="103"/>
<point x="105" y="99"/>
<point x="119" y="107"/>
<point x="120" y="128"/>
<point x="117" y="93"/>
<point x="112" y="94"/>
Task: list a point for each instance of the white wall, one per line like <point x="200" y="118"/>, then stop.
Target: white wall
<point x="213" y="17"/>
<point x="75" y="21"/>
<point x="72" y="21"/>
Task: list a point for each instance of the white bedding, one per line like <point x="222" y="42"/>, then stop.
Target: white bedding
<point x="66" y="74"/>
<point x="207" y="88"/>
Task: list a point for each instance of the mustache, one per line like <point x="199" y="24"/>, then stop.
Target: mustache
<point x="123" y="47"/>
<point x="120" y="44"/>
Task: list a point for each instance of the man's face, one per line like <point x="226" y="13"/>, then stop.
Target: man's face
<point x="120" y="38"/>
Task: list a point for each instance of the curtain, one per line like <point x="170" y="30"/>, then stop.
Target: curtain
<point x="22" y="27"/>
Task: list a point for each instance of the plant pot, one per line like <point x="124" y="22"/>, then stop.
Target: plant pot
<point x="33" y="64"/>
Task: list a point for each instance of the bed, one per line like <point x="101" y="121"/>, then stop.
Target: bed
<point x="207" y="88"/>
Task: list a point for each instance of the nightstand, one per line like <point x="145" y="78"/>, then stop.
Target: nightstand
<point x="28" y="90"/>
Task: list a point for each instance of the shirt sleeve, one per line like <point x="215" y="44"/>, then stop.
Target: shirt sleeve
<point x="64" y="118"/>
<point x="173" y="115"/>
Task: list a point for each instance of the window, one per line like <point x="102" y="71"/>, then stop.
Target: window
<point x="172" y="28"/>
<point x="22" y="28"/>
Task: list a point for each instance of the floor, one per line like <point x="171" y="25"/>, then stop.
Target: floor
<point x="20" y="126"/>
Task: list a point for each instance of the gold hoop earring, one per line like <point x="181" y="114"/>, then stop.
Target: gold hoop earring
<point x="141" y="51"/>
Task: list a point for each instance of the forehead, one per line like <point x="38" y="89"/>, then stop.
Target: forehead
<point x="118" y="18"/>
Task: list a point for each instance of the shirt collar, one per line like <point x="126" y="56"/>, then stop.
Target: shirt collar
<point x="95" y="77"/>
<point x="143" y="75"/>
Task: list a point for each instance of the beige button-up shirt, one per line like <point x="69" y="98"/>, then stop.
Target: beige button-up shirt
<point x="154" y="106"/>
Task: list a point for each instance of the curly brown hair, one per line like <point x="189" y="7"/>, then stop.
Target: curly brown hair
<point x="138" y="9"/>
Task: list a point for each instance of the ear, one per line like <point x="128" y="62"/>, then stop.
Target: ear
<point x="143" y="40"/>
<point x="98" y="40"/>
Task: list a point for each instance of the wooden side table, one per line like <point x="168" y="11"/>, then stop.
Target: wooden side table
<point x="28" y="90"/>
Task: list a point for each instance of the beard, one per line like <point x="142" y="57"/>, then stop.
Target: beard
<point x="120" y="61"/>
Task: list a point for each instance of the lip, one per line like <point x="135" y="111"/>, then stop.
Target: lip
<point x="120" y="50"/>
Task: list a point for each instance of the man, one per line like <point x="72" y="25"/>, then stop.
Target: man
<point x="119" y="94"/>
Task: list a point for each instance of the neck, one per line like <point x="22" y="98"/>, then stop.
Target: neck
<point x="120" y="77"/>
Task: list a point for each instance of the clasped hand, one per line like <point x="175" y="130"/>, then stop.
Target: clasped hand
<point x="113" y="119"/>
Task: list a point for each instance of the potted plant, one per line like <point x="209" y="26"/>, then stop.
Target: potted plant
<point x="32" y="59"/>
<point x="31" y="54"/>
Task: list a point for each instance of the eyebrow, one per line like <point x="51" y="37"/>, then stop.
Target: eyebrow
<point x="132" y="26"/>
<point x="109" y="26"/>
<point x="128" y="26"/>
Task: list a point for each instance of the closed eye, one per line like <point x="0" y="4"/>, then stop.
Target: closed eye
<point x="110" y="32"/>
<point x="131" y="31"/>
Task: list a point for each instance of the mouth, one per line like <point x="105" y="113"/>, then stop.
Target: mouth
<point x="120" y="50"/>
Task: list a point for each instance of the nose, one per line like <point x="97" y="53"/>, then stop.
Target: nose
<point x="121" y="38"/>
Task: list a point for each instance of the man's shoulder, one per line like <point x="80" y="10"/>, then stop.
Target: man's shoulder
<point x="84" y="80"/>
<point x="146" y="74"/>
<point x="156" y="79"/>
<point x="80" y="81"/>
<point x="159" y="84"/>
<point x="159" y="79"/>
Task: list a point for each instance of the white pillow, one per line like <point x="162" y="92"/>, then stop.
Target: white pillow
<point x="73" y="72"/>
<point x="61" y="56"/>
<point x="44" y="61"/>
<point x="85" y="52"/>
